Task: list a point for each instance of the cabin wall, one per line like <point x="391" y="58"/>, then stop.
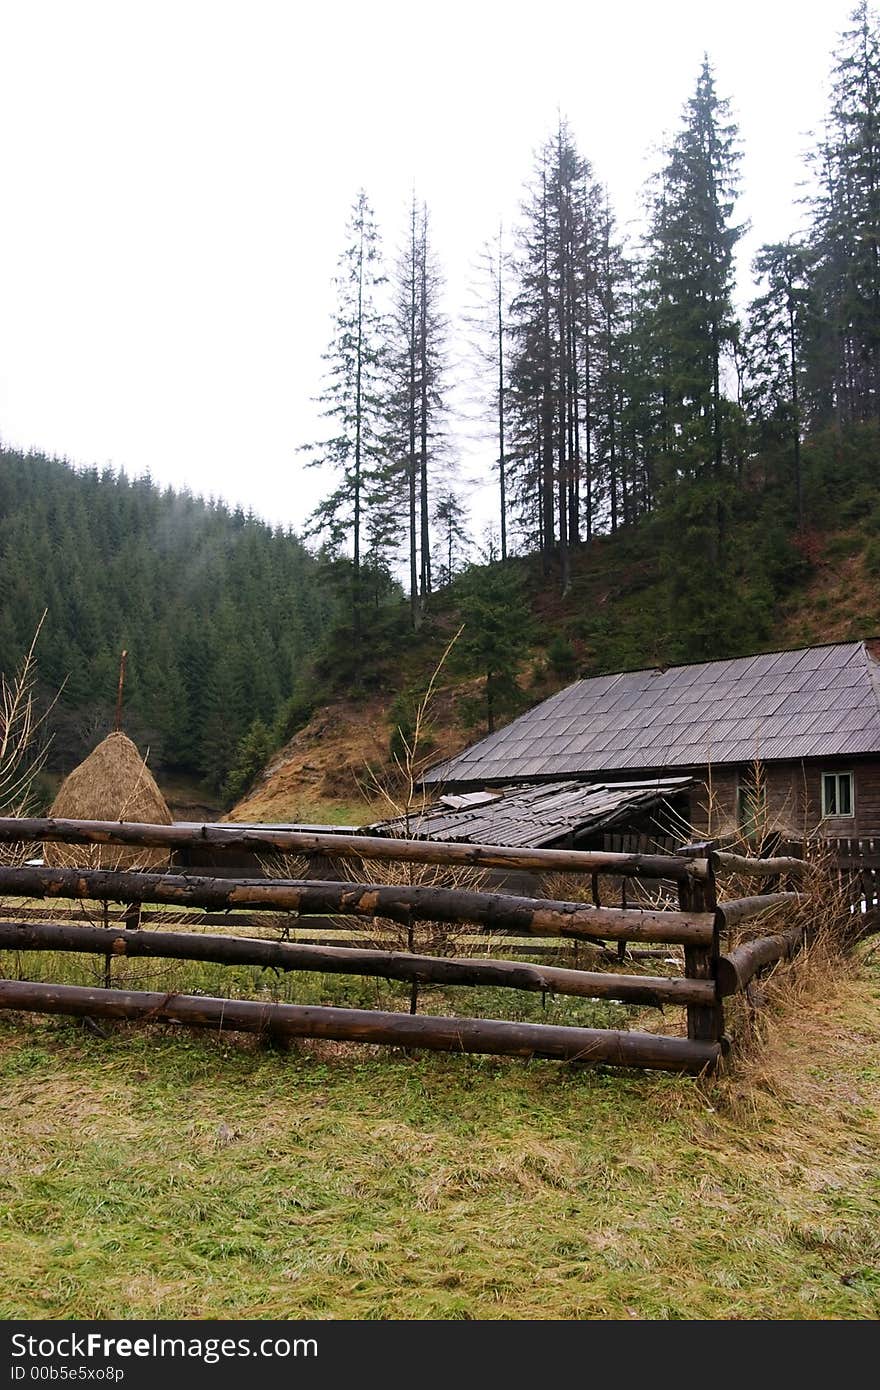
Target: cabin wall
<point x="793" y="796"/>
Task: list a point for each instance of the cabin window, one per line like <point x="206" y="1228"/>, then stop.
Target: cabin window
<point x="837" y="794"/>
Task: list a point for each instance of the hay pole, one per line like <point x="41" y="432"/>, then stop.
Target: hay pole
<point x="343" y="960"/>
<point x="399" y="902"/>
<point x="117" y="724"/>
<point x="487" y="1036"/>
<point x="353" y="846"/>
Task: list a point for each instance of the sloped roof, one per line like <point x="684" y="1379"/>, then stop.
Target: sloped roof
<point x="815" y="702"/>
<point x="531" y="817"/>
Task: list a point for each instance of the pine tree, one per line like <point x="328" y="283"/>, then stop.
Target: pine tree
<point x="486" y="320"/>
<point x="497" y="624"/>
<point x="450" y="518"/>
<point x="550" y="370"/>
<point x="774" y="351"/>
<point x="415" y="399"/>
<point x="611" y="277"/>
<point x="845" y="236"/>
<point x="690" y="282"/>
<point x="691" y="329"/>
<point x="353" y="397"/>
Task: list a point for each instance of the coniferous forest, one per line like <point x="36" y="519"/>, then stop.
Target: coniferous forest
<point x="620" y="387"/>
<point x="219" y="613"/>
<point x="618" y="380"/>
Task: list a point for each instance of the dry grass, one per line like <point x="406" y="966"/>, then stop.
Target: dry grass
<point x="112" y="783"/>
<point x="157" y="1174"/>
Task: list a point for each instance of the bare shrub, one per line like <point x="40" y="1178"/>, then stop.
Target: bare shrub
<point x="24" y="744"/>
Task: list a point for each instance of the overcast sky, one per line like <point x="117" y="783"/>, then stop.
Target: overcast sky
<point x="177" y="177"/>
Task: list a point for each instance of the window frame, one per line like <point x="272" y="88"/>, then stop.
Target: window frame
<point x="837" y="775"/>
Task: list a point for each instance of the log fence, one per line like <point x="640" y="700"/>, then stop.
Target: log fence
<point x="698" y="927"/>
<point x="858" y="867"/>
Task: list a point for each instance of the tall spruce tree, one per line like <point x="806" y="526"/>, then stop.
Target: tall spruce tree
<point x="497" y="626"/>
<point x="415" y="397"/>
<point x="693" y="328"/>
<point x="489" y="342"/>
<point x="453" y="541"/>
<point x="353" y="398"/>
<point x="554" y="327"/>
<point x="845" y="236"/>
<point x="774" y="352"/>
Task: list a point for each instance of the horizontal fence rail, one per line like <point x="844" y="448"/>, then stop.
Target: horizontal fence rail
<point x="308" y="908"/>
<point x="392" y="965"/>
<point x="739" y="966"/>
<point x="77" y="832"/>
<point x="398" y="902"/>
<point x="723" y="862"/>
<point x="735" y="911"/>
<point x="490" y="1036"/>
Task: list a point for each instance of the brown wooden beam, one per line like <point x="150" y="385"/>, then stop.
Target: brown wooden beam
<point x="724" y="862"/>
<point x="738" y="966"/>
<point x="399" y="902"/>
<point x="731" y="914"/>
<point x="705" y="1022"/>
<point x="355" y="846"/>
<point x="391" y="965"/>
<point x="490" y="1036"/>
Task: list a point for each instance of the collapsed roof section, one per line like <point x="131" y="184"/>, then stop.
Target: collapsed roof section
<point x="532" y="817"/>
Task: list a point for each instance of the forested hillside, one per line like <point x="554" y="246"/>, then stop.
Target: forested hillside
<point x="521" y="639"/>
<point x="219" y="613"/>
<point x="617" y="378"/>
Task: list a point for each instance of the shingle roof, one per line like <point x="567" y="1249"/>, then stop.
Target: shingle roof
<point x="816" y="702"/>
<point x="529" y="817"/>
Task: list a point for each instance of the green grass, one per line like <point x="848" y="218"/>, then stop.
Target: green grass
<point x="157" y="1173"/>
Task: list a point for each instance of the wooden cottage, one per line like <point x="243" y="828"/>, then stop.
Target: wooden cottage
<point x="786" y="741"/>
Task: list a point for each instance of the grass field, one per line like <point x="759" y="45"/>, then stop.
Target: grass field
<point x="156" y="1173"/>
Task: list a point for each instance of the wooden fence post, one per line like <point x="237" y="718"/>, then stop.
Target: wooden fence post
<point x="705" y="1022"/>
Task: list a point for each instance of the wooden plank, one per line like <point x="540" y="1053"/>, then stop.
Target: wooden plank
<point x="489" y="1036"/>
<point x="393" y="965"/>
<point x="398" y="902"/>
<point x="20" y="830"/>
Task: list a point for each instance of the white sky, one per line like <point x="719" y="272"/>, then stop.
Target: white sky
<point x="176" y="179"/>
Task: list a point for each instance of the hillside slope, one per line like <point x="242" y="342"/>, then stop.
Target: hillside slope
<point x="612" y="619"/>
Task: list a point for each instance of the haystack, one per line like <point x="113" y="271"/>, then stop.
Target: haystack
<point x="112" y="783"/>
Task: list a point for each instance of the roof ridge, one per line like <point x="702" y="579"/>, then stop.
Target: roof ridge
<point x="720" y="660"/>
